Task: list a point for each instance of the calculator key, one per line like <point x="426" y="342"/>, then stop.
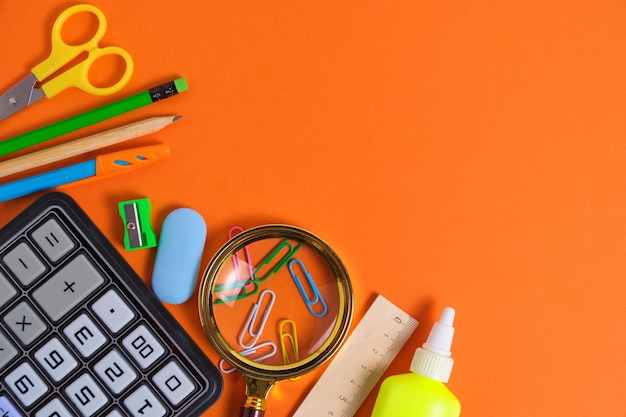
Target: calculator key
<point x="86" y="395"/>
<point x="174" y="382"/>
<point x="56" y="360"/>
<point x="113" y="311"/>
<point x="7" y="351"/>
<point x="54" y="408"/>
<point x="144" y="402"/>
<point x="68" y="287"/>
<point x="84" y="335"/>
<point x="24" y="263"/>
<point x="115" y="371"/>
<point x="26" y="384"/>
<point x="8" y="409"/>
<point x="143" y="346"/>
<point x="6" y="292"/>
<point x="25" y="323"/>
<point x="53" y="240"/>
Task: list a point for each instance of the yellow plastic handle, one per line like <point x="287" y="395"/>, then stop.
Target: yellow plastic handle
<point x="78" y="75"/>
<point x="62" y="53"/>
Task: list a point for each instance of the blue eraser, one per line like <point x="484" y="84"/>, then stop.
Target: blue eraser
<point x="179" y="255"/>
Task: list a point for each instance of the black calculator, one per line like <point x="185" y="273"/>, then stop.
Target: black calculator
<point x="81" y="335"/>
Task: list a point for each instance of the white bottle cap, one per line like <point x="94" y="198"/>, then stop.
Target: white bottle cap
<point x="433" y="359"/>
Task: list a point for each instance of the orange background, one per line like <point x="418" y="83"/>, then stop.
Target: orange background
<point x="468" y="154"/>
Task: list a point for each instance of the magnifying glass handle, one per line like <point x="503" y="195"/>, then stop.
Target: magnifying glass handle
<point x="253" y="406"/>
<point x="249" y="412"/>
<point x="256" y="393"/>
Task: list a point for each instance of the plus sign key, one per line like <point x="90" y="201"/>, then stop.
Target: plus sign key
<point x="68" y="287"/>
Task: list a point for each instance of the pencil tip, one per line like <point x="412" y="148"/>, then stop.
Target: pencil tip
<point x="176" y="118"/>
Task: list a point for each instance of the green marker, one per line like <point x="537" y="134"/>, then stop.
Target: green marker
<point x="90" y="117"/>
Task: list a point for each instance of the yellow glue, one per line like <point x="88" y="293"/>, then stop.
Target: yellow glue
<point x="423" y="393"/>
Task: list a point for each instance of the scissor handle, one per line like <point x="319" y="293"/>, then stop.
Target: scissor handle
<point x="78" y="75"/>
<point x="62" y="53"/>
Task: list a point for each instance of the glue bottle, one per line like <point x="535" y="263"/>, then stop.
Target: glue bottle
<point x="422" y="392"/>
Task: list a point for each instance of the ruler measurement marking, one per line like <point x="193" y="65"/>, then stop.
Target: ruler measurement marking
<point x="346" y="381"/>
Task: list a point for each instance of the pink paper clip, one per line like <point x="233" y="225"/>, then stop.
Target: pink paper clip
<point x="250" y="286"/>
<point x="240" y="285"/>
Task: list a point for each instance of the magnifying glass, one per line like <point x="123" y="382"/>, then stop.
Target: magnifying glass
<point x="275" y="302"/>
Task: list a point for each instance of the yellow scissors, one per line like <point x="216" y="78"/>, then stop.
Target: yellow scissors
<point x="36" y="86"/>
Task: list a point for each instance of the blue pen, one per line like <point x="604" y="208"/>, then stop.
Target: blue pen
<point x="100" y="167"/>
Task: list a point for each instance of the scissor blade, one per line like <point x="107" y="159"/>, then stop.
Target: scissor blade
<point x="20" y="96"/>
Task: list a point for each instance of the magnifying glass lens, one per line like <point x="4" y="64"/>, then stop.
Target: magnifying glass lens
<point x="276" y="302"/>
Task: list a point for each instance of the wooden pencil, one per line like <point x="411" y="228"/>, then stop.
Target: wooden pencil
<point x="84" y="145"/>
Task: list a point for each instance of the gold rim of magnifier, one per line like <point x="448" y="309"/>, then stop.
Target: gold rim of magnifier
<point x="276" y="372"/>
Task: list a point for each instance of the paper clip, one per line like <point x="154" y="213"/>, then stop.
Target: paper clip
<point x="291" y="251"/>
<point x="316" y="292"/>
<point x="249" y="326"/>
<point x="292" y="337"/>
<point x="234" y="231"/>
<point x="241" y="287"/>
<point x="249" y="352"/>
<point x="232" y="291"/>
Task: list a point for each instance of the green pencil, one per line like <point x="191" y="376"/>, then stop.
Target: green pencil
<point x="93" y="116"/>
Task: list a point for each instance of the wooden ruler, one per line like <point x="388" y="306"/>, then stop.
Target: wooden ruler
<point x="359" y="364"/>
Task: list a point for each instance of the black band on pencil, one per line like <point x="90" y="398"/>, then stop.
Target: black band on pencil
<point x="163" y="91"/>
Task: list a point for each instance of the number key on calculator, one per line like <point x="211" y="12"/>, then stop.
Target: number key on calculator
<point x="81" y="335"/>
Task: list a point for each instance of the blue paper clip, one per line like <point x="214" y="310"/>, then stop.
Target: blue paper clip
<point x="316" y="292"/>
<point x="249" y="352"/>
<point x="290" y="252"/>
<point x="249" y="326"/>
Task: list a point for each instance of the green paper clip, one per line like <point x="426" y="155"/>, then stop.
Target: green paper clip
<point x="138" y="233"/>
